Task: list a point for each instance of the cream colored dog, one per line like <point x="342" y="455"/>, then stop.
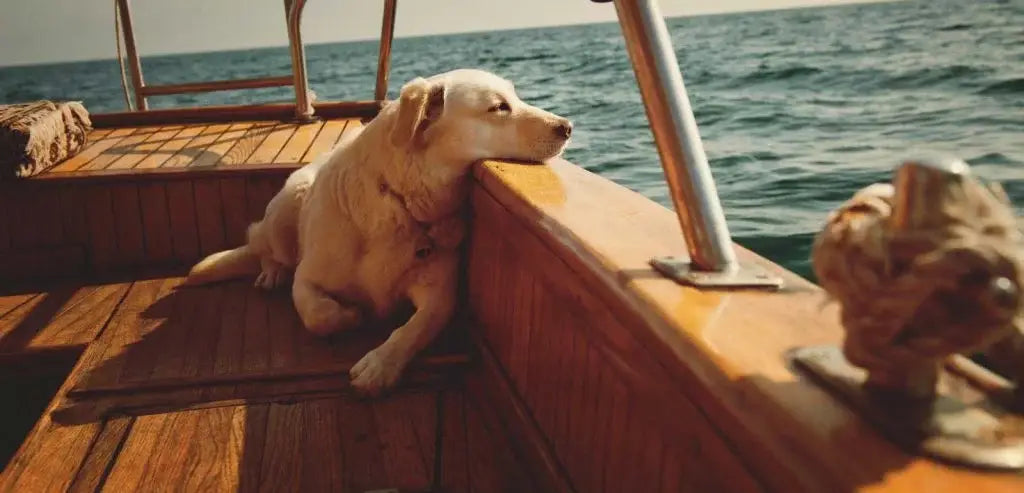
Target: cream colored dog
<point x="377" y="220"/>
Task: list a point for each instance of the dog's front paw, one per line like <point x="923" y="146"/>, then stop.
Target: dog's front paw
<point x="271" y="277"/>
<point x="375" y="372"/>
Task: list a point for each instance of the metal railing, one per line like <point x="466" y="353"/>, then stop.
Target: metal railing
<point x="712" y="259"/>
<point x="298" y="79"/>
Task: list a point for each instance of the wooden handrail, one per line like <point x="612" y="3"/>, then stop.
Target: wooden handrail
<point x="229" y="113"/>
<point x="216" y="85"/>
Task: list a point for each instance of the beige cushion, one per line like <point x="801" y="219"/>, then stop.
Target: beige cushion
<point x="35" y="136"/>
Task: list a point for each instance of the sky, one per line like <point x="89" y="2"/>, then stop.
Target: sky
<point x="44" y="31"/>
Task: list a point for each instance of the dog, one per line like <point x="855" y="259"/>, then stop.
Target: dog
<point x="378" y="220"/>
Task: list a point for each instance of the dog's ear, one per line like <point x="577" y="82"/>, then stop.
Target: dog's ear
<point x="420" y="104"/>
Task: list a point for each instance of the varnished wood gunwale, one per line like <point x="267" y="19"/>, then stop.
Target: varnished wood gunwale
<point x="231" y="113"/>
<point x="725" y="351"/>
<point x="576" y="374"/>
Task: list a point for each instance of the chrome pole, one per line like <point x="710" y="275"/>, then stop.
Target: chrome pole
<point x="133" y="55"/>
<point x="387" y="34"/>
<point x="712" y="259"/>
<point x="303" y="105"/>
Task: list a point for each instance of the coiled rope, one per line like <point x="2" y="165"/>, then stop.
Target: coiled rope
<point x="910" y="298"/>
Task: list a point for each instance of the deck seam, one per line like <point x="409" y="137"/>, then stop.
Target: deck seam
<point x="19" y="305"/>
<point x="206" y="148"/>
<point x="315" y="135"/>
<point x="161" y="146"/>
<point x="86" y="165"/>
<point x="134" y="147"/>
<point x="109" y="467"/>
<point x="260" y="132"/>
<point x="202" y="128"/>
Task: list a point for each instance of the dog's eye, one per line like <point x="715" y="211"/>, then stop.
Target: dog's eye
<point x="502" y="107"/>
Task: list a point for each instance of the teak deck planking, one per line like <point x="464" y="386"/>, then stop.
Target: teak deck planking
<point x="182" y="386"/>
<point x="204" y="145"/>
<point x="226" y="363"/>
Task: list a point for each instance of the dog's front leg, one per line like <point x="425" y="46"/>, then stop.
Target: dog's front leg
<point x="434" y="299"/>
<point x="320" y="313"/>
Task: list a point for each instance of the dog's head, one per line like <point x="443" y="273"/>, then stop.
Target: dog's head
<point x="467" y="115"/>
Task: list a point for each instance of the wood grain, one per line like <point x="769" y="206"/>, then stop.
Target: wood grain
<point x="65" y="316"/>
<point x="235" y="207"/>
<point x="99" y="212"/>
<point x="197" y="152"/>
<point x="140" y="145"/>
<point x="398" y="422"/>
<point x="72" y="213"/>
<point x="29" y="204"/>
<point x="565" y="323"/>
<point x="170" y="148"/>
<point x="299" y="143"/>
<point x="721" y="354"/>
<point x="102" y="455"/>
<point x="454" y="453"/>
<point x="181" y="207"/>
<point x="52" y="453"/>
<point x="325" y="140"/>
<point x="156" y="223"/>
<point x="492" y="464"/>
<point x="272" y="145"/>
<point x="222" y="335"/>
<point x="242" y="145"/>
<point x="209" y="216"/>
<point x="95" y="149"/>
<point x="131" y="246"/>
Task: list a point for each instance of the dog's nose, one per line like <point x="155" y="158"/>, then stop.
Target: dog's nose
<point x="564" y="129"/>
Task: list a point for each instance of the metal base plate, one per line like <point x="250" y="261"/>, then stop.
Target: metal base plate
<point x="745" y="276"/>
<point x="975" y="434"/>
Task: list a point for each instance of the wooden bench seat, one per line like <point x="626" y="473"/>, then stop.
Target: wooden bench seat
<point x="153" y="195"/>
<point x="201" y="146"/>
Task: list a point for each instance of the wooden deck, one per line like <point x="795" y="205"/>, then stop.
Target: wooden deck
<point x="203" y="146"/>
<point x="249" y="400"/>
<point x="206" y="388"/>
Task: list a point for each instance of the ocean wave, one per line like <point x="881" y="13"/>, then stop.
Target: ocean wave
<point x="926" y="76"/>
<point x="1008" y="86"/>
<point x="851" y="148"/>
<point x="956" y="27"/>
<point x="991" y="158"/>
<point x="751" y="157"/>
<point x="526" y="58"/>
<point x="769" y="75"/>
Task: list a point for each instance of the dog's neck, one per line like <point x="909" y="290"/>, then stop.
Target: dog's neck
<point x="431" y="188"/>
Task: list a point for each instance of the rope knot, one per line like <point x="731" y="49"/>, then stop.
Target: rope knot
<point x="922" y="270"/>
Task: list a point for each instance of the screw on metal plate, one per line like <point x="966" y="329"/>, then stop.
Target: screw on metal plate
<point x="742" y="276"/>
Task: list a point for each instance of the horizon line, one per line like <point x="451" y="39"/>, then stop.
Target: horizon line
<point x="844" y="3"/>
